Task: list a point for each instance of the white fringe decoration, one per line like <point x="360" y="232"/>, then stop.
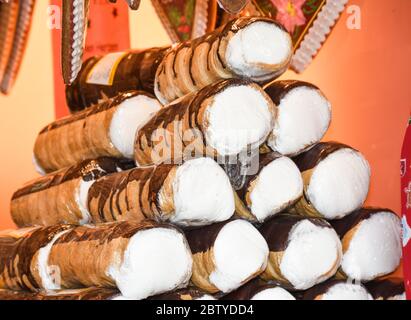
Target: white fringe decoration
<point x="317" y="34"/>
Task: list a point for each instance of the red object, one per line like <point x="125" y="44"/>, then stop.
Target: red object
<point x="406" y="207"/>
<point x="108" y="31"/>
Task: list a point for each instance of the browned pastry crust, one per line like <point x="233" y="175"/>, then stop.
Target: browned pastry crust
<point x="170" y="73"/>
<point x="75" y="252"/>
<point x="177" y="131"/>
<point x="18" y="256"/>
<point x="54" y="198"/>
<point x="81" y="255"/>
<point x="82" y="136"/>
<point x="96" y="293"/>
<point x="135" y="194"/>
<point x="74" y="294"/>
<point x="192" y="65"/>
<point x="134" y="71"/>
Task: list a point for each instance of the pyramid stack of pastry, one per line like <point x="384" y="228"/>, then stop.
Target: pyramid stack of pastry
<point x="212" y="183"/>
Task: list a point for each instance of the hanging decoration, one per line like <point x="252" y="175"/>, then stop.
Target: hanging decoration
<point x="186" y="19"/>
<point x="107" y="31"/>
<point x="15" y="23"/>
<point x="75" y="16"/>
<point x="308" y="21"/>
<point x="74" y="30"/>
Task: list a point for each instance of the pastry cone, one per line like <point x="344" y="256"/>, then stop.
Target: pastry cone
<point x="126" y="255"/>
<point x="304" y="115"/>
<point x="9" y="13"/>
<point x="275" y="186"/>
<point x="247" y="47"/>
<point x="190" y="293"/>
<point x="106" y="77"/>
<point x="19" y="256"/>
<point x="303" y="251"/>
<point x="336" y="181"/>
<point x="258" y="289"/>
<point x="23" y="24"/>
<point x="61" y="197"/>
<point x="198" y="125"/>
<point x="74" y="294"/>
<point x="371" y="240"/>
<point x="387" y="289"/>
<point x="193" y="194"/>
<point x="337" y="290"/>
<point x="226" y="255"/>
<point x="106" y="129"/>
<point x="238" y="49"/>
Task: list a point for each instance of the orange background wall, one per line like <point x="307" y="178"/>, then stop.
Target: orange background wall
<point x="365" y="73"/>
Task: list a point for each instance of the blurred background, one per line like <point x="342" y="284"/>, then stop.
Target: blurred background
<point x="366" y="74"/>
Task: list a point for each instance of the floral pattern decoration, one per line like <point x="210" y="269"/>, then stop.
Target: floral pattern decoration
<point x="290" y="13"/>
